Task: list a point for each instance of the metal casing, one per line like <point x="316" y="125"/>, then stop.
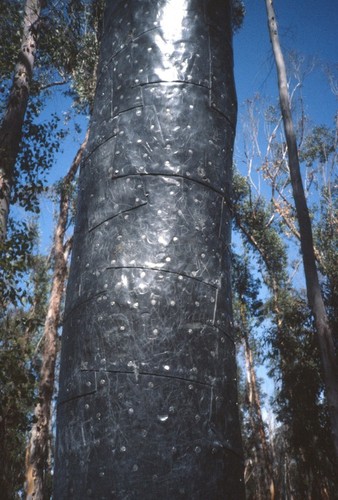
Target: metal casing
<point x="147" y="403"/>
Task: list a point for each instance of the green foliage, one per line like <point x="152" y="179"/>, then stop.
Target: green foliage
<point x="300" y="405"/>
<point x="302" y="442"/>
<point x="319" y="154"/>
<point x="10" y="36"/>
<point x="245" y="286"/>
<point x="317" y="146"/>
<point x="68" y="40"/>
<point x="67" y="53"/>
<point x="326" y="239"/>
<point x="14" y="264"/>
<point x="41" y="141"/>
<point x="19" y="334"/>
<point x="16" y="401"/>
<point x="248" y="306"/>
<point x="253" y="217"/>
<point x="248" y="316"/>
<point x="69" y="46"/>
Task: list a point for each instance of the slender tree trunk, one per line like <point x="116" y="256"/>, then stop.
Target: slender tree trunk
<point x="264" y="455"/>
<point x="147" y="402"/>
<point x="262" y="448"/>
<point x="11" y="126"/>
<point x="38" y="450"/>
<point x="315" y="299"/>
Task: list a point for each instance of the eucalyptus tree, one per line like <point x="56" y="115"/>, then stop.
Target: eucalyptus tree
<point x="13" y="119"/>
<point x="147" y="402"/>
<point x="19" y="337"/>
<point x="248" y="311"/>
<point x="301" y="464"/>
<point x="30" y="162"/>
<point x="314" y="294"/>
<point x="299" y="404"/>
<point x="27" y="142"/>
<point x="39" y="452"/>
<point x="28" y="85"/>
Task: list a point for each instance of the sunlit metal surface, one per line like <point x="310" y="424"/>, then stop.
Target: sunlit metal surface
<point x="147" y="403"/>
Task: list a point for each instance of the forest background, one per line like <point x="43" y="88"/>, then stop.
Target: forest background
<point x="286" y="434"/>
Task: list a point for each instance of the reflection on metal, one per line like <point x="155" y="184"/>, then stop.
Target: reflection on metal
<point x="147" y="403"/>
<point x="171" y="19"/>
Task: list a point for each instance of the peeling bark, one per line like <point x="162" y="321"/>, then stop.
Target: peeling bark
<point x="38" y="450"/>
<point x="314" y="295"/>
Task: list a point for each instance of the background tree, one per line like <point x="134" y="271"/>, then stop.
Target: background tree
<point x="287" y="342"/>
<point x="40" y="141"/>
<point x="39" y="452"/>
<point x="19" y="329"/>
<point x="59" y="70"/>
<point x="259" y="474"/>
<point x="315" y="299"/>
<point x="12" y="122"/>
<point x="80" y="60"/>
<point x="299" y="404"/>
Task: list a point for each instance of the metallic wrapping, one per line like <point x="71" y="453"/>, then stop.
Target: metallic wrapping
<point x="147" y="401"/>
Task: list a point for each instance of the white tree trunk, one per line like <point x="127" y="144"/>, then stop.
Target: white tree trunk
<point x="315" y="299"/>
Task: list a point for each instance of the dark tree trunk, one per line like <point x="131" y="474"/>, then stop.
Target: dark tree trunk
<point x="315" y="298"/>
<point x="11" y="125"/>
<point x="147" y="404"/>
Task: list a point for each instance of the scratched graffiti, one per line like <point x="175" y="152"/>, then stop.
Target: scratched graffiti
<point x="147" y="402"/>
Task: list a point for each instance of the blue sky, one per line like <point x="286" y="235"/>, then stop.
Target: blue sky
<point x="308" y="26"/>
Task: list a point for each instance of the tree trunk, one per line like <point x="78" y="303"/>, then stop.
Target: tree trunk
<point x="264" y="455"/>
<point x="264" y="479"/>
<point x="38" y="450"/>
<point x="315" y="299"/>
<point x="147" y="403"/>
<point x="11" y="126"/>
